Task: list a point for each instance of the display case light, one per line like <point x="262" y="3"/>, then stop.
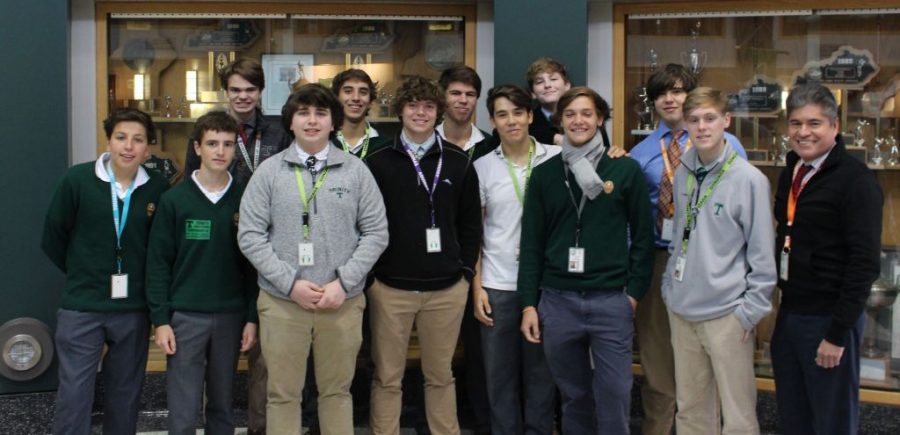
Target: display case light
<point x="138" y="86"/>
<point x="190" y="85"/>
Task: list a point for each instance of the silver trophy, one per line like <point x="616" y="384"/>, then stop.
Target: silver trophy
<point x="644" y="109"/>
<point x="694" y="59"/>
<point x="182" y="105"/>
<point x="877" y="156"/>
<point x="653" y="59"/>
<point x="859" y="133"/>
<point x="894" y="154"/>
<point x="784" y="146"/>
<point x="168" y="99"/>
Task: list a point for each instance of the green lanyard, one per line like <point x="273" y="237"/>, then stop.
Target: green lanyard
<point x="346" y="146"/>
<point x="301" y="186"/>
<point x="691" y="211"/>
<point x="520" y="195"/>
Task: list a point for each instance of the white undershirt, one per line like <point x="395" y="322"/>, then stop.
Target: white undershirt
<point x="214" y="197"/>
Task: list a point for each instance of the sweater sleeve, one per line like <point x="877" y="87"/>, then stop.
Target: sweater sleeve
<point x="468" y="222"/>
<point x="533" y="242"/>
<point x="59" y="222"/>
<point x="253" y="232"/>
<point x="640" y="224"/>
<point x="161" y="254"/>
<point x="372" y="224"/>
<point x="861" y="220"/>
<point x="759" y="235"/>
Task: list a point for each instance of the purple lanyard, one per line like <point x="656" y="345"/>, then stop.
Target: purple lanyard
<point x="421" y="175"/>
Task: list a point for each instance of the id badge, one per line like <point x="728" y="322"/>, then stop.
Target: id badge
<point x="432" y="240"/>
<point x="119" y="286"/>
<point x="783" y="272"/>
<point x="305" y="254"/>
<point x="680" y="263"/>
<point x="576" y="260"/>
<point x="668" y="229"/>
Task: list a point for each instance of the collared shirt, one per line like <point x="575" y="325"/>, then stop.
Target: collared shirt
<point x="503" y="214"/>
<point x="649" y="156"/>
<point x="100" y="169"/>
<point x="354" y="148"/>
<point x="213" y="197"/>
<point x="816" y="164"/>
<point x="419" y="149"/>
<point x="547" y="114"/>
<point x="321" y="156"/>
<point x="474" y="138"/>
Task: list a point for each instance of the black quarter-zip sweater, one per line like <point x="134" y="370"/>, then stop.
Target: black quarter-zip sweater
<point x="405" y="264"/>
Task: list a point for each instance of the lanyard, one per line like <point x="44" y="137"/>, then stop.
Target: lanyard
<point x="691" y="211"/>
<point x="346" y="146"/>
<point x="669" y="165"/>
<point x="421" y="175"/>
<point x="244" y="153"/>
<point x="119" y="219"/>
<point x="579" y="207"/>
<point x="520" y="194"/>
<point x="792" y="203"/>
<point x="301" y="186"/>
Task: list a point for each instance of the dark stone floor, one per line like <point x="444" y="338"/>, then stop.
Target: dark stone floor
<point x="32" y="413"/>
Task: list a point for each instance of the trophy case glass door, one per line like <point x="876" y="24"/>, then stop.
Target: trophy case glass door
<point x="756" y="56"/>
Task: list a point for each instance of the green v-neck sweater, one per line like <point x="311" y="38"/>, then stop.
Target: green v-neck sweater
<point x="194" y="263"/>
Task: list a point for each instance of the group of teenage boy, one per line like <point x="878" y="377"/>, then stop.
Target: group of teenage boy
<point x="282" y="239"/>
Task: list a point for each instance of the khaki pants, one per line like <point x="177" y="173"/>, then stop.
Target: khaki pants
<point x="287" y="331"/>
<point x="655" y="347"/>
<point x="437" y="316"/>
<point x="710" y="359"/>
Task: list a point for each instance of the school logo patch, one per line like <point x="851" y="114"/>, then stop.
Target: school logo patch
<point x="236" y="219"/>
<point x="339" y="191"/>
<point x="718" y="206"/>
<point x="197" y="229"/>
<point x="151" y="208"/>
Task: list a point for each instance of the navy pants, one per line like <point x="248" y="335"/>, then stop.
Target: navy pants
<point x="80" y="337"/>
<point x="811" y="399"/>
<point x="587" y="338"/>
<point x="517" y="376"/>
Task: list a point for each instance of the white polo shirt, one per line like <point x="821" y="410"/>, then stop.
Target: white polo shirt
<point x="503" y="215"/>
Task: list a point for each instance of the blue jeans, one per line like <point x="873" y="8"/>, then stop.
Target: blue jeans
<point x="80" y="337"/>
<point x="581" y="329"/>
<point x="811" y="399"/>
<point x="513" y="365"/>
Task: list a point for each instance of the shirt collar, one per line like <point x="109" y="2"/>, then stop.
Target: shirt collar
<point x="547" y="114"/>
<point x="474" y="138"/>
<point x="213" y="196"/>
<point x="413" y="145"/>
<point x="540" y="150"/>
<point x="816" y="163"/>
<point x="321" y="156"/>
<point x="100" y="170"/>
<point x="354" y="147"/>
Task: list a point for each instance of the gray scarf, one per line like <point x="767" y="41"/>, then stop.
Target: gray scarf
<point x="582" y="161"/>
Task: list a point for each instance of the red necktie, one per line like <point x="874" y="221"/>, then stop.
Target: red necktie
<point x="242" y="131"/>
<point x="797" y="184"/>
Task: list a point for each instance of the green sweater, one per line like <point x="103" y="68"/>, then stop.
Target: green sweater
<point x="193" y="262"/>
<point x="548" y="231"/>
<point x="80" y="238"/>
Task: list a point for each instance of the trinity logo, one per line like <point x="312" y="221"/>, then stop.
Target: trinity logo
<point x="339" y="191"/>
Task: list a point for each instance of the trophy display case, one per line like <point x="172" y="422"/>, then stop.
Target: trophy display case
<point x="164" y="57"/>
<point x="756" y="51"/>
